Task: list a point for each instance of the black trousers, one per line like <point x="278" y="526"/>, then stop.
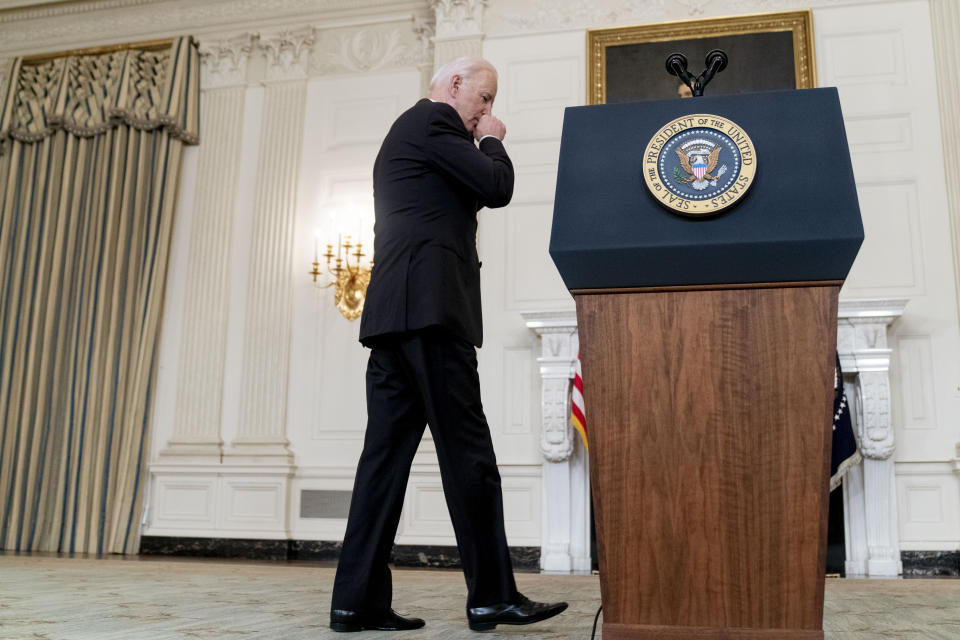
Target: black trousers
<point x="418" y="378"/>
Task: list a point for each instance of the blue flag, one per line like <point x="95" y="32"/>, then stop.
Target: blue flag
<point x="845" y="454"/>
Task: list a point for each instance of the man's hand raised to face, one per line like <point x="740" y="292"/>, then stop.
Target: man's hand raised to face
<point x="489" y="125"/>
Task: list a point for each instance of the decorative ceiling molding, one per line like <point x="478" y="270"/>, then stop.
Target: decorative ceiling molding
<point x="509" y="17"/>
<point x="76" y="24"/>
<point x="39" y="10"/>
<point x="295" y="53"/>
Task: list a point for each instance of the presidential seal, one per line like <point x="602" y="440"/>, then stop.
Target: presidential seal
<point x="699" y="165"/>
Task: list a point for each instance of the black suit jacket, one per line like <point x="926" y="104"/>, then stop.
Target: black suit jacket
<point x="429" y="181"/>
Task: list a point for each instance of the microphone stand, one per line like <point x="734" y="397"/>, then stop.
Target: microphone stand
<point x="716" y="62"/>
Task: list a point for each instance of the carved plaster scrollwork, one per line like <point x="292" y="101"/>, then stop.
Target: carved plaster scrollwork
<point x="224" y="62"/>
<point x="876" y="432"/>
<point x="372" y="47"/>
<point x="556" y="437"/>
<point x="288" y="54"/>
<point x="367" y="49"/>
<point x="556" y="371"/>
<point x="558" y="356"/>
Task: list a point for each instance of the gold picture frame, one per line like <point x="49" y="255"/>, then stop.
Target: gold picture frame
<point x="769" y="35"/>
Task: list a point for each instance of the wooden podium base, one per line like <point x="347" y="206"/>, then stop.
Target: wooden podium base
<point x="710" y="416"/>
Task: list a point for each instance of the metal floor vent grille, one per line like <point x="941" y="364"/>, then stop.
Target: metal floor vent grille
<point x="316" y="503"/>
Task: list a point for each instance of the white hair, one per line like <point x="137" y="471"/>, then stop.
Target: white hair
<point x="463" y="66"/>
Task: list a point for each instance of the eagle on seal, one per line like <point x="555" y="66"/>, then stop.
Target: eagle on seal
<point x="700" y="171"/>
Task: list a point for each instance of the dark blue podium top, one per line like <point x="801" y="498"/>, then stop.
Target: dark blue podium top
<point x="799" y="221"/>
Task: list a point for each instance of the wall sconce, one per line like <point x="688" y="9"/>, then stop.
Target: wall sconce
<point x="348" y="280"/>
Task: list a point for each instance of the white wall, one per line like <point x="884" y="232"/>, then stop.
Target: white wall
<point x="882" y="63"/>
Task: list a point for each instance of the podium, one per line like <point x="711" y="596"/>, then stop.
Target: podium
<point x="708" y="348"/>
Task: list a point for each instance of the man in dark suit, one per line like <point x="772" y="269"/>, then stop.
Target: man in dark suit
<point x="422" y="321"/>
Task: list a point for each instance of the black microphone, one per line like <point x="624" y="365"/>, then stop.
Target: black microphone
<point x="677" y="66"/>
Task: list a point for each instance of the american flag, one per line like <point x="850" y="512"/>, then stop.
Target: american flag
<point x="577" y="413"/>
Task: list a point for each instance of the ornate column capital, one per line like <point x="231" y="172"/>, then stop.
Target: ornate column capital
<point x="223" y="63"/>
<point x="458" y="18"/>
<point x="288" y="54"/>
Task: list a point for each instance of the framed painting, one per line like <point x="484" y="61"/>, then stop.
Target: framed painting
<point x="767" y="52"/>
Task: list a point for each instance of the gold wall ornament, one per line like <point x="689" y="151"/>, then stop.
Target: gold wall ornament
<point x="625" y="64"/>
<point x="349" y="280"/>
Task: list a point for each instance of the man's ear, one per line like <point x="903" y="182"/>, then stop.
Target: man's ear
<point x="455" y="83"/>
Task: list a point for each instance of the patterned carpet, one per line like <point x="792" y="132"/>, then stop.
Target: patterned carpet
<point x="48" y="598"/>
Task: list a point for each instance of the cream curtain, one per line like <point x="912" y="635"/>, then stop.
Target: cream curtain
<point x="90" y="151"/>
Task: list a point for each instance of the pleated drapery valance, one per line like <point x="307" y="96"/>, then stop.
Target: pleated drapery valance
<point x="90" y="153"/>
<point x="88" y="94"/>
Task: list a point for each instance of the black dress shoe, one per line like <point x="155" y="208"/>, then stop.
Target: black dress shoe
<point x="520" y="611"/>
<point x="389" y="620"/>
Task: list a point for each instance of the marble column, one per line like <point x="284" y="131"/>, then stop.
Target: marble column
<point x="869" y="490"/>
<point x="458" y="31"/>
<point x="261" y="429"/>
<point x="565" y="533"/>
<point x="196" y="434"/>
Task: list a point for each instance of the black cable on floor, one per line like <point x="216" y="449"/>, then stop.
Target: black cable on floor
<point x="595" y="619"/>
